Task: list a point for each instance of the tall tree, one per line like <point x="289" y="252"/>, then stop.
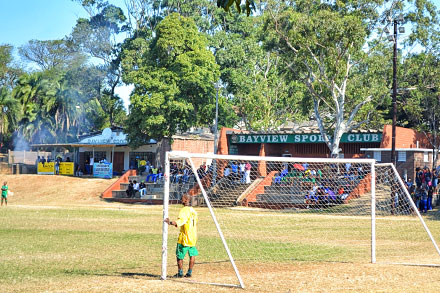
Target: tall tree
<point x="420" y="96"/>
<point x="325" y="45"/>
<point x="97" y="36"/>
<point x="50" y="54"/>
<point x="9" y="72"/>
<point x="174" y="76"/>
<point x="255" y="78"/>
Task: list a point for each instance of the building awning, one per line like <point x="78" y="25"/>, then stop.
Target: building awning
<point x="397" y="149"/>
<point x="74" y="145"/>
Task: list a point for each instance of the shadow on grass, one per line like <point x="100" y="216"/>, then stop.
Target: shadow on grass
<point x="134" y="275"/>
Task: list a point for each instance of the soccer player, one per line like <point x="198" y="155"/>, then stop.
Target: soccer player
<point x="5" y="193"/>
<point x="186" y="243"/>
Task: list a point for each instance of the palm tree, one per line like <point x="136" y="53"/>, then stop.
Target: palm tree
<point x="8" y="116"/>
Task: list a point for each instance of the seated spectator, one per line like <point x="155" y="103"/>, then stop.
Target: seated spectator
<point x="227" y="171"/>
<point x="130" y="190"/>
<point x="281" y="176"/>
<point x="234" y="168"/>
<point x="142" y="189"/>
<point x="153" y="175"/>
<point x="201" y="171"/>
<point x="186" y="174"/>
<point x="341" y="193"/>
<point x="135" y="188"/>
<point x="330" y="195"/>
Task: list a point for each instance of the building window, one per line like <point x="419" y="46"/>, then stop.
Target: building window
<point x="401" y="156"/>
<point x="425" y="157"/>
<point x="99" y="156"/>
<point x="377" y="155"/>
<point x="147" y="156"/>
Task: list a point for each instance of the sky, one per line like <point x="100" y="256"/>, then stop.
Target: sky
<point x="24" y="20"/>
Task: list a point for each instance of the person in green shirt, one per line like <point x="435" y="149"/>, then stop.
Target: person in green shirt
<point x="5" y="193"/>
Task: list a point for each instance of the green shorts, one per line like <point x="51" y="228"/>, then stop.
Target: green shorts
<point x="182" y="250"/>
<point x="4" y="196"/>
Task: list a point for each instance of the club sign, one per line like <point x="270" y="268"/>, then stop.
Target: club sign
<point x="302" y="138"/>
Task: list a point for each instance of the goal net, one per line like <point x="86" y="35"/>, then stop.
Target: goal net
<point x="263" y="214"/>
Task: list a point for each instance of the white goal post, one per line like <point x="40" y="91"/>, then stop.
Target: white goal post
<point x="257" y="212"/>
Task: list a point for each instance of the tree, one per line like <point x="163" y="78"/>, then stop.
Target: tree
<point x="9" y="72"/>
<point x="9" y="115"/>
<point x="97" y="37"/>
<point x="226" y="4"/>
<point x="328" y="46"/>
<point x="421" y="99"/>
<point x="174" y="75"/>
<point x="255" y="79"/>
<point x="50" y="54"/>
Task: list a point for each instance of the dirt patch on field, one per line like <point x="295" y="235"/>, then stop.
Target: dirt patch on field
<point x="54" y="190"/>
<point x="295" y="277"/>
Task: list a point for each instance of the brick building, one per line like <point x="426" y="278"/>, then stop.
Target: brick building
<point x="412" y="148"/>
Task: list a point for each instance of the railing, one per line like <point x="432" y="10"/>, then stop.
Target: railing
<point x="25" y="157"/>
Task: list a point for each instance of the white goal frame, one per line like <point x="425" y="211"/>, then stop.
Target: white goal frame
<point x="174" y="155"/>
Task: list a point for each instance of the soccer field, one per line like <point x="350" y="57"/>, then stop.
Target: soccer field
<point x="117" y="248"/>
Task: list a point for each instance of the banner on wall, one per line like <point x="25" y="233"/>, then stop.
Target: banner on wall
<point x="103" y="170"/>
<point x="67" y="168"/>
<point x="46" y="168"/>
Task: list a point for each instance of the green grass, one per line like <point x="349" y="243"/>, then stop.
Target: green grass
<point x="40" y="244"/>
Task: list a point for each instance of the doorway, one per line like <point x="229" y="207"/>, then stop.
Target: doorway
<point x="118" y="163"/>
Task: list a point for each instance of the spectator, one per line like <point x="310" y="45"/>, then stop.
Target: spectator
<point x="142" y="189"/>
<point x="152" y="175"/>
<point x="186" y="174"/>
<point x="132" y="164"/>
<point x="57" y="167"/>
<point x="234" y="168"/>
<point x="5" y="193"/>
<point x="78" y="172"/>
<point x="135" y="188"/>
<point x="419" y="177"/>
<point x="130" y="190"/>
<point x="409" y="183"/>
<point x="423" y="200"/>
<point x="242" y="172"/>
<point x="429" y="199"/>
<point x="201" y="172"/>
<point x="87" y="165"/>
<point x="227" y="171"/>
<point x="247" y="168"/>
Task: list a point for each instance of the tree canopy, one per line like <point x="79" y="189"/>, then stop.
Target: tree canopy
<point x="174" y="75"/>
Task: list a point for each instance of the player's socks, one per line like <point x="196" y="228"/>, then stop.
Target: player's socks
<point x="188" y="274"/>
<point x="180" y="273"/>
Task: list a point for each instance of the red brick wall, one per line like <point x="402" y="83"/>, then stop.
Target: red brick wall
<point x="405" y="138"/>
<point x="199" y="146"/>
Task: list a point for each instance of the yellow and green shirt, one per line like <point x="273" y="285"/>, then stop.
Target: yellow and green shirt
<point x="187" y="221"/>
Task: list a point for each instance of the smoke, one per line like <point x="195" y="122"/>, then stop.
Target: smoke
<point x="19" y="142"/>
